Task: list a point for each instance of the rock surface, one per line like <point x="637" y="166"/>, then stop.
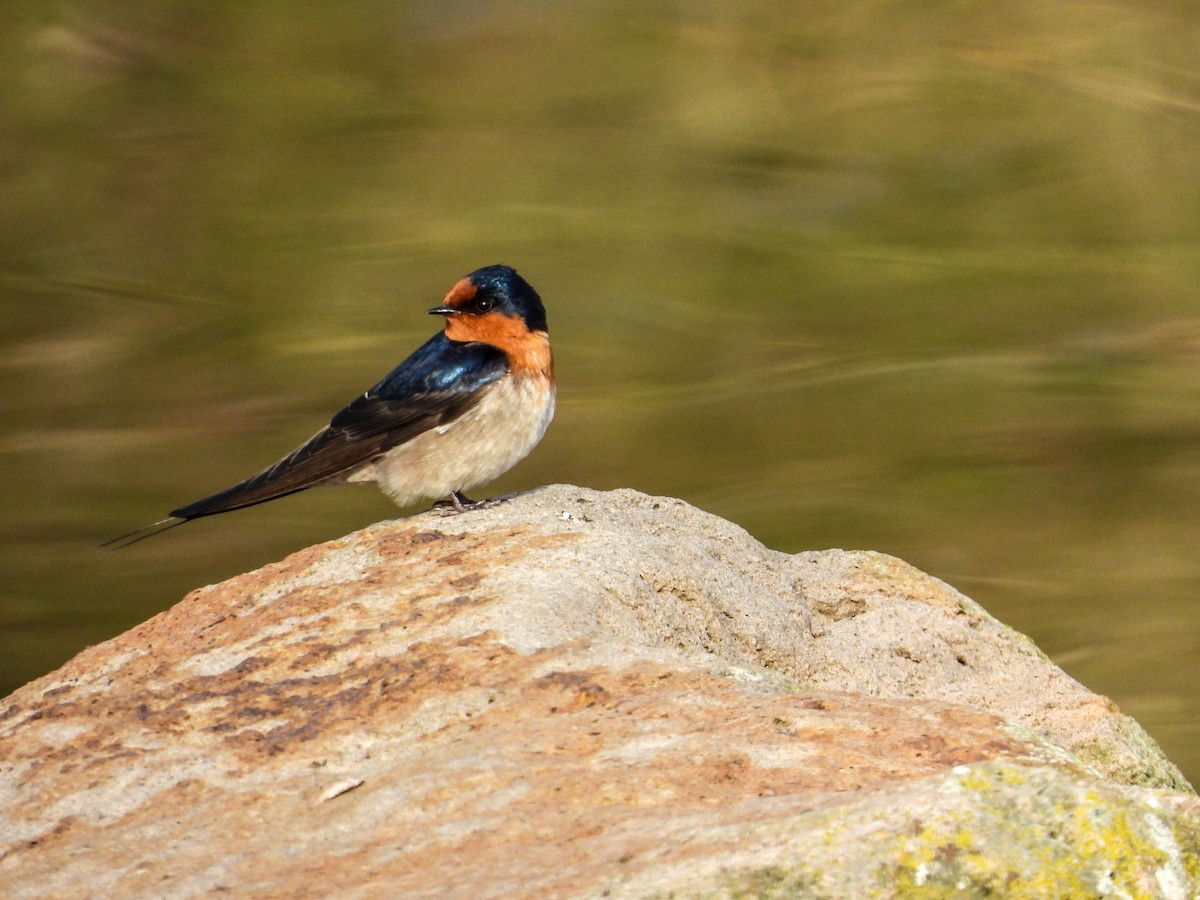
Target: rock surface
<point x="580" y="694"/>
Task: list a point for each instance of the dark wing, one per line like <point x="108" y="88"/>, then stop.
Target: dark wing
<point x="435" y="385"/>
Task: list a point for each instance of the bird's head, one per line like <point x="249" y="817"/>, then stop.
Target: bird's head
<point x="476" y="304"/>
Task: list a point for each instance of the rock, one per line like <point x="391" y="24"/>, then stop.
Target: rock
<point x="580" y="694"/>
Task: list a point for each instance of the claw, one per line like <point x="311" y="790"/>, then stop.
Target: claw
<point x="461" y="503"/>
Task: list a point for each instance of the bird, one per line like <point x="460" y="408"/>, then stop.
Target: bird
<point x="464" y="408"/>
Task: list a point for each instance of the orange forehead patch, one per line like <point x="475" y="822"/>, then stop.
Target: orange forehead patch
<point x="461" y="294"/>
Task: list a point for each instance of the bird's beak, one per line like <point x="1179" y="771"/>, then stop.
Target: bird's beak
<point x="443" y="311"/>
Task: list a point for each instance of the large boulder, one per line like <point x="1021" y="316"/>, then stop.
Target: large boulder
<point x="580" y="694"/>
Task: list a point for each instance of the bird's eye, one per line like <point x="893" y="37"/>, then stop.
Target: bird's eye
<point x="483" y="304"/>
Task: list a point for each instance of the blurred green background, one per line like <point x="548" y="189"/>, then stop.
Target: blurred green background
<point x="915" y="277"/>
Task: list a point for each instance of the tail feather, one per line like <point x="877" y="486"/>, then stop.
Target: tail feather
<point x="128" y="540"/>
<point x="259" y="489"/>
<point x="296" y="472"/>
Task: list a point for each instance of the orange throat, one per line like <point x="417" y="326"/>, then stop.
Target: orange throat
<point x="528" y="351"/>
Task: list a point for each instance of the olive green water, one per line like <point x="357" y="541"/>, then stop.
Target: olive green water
<point x="919" y="278"/>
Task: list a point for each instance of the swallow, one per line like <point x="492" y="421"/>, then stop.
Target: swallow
<point x="467" y="406"/>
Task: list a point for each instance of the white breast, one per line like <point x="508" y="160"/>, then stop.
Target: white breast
<point x="488" y="440"/>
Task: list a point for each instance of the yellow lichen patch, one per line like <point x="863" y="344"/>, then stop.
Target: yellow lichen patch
<point x="1044" y="842"/>
<point x="996" y="831"/>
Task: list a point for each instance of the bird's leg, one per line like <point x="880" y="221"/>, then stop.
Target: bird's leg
<point x="460" y="503"/>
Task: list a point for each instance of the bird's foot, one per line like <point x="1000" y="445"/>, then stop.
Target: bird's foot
<point x="460" y="503"/>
